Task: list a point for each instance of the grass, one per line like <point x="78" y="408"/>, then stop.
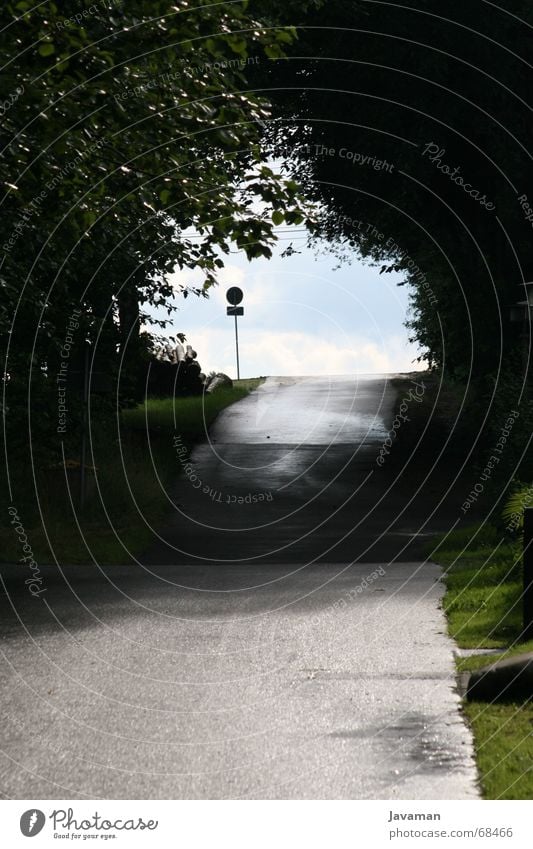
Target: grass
<point x="482" y="602"/>
<point x="135" y="464"/>
<point x="503" y="743"/>
<point x="483" y="586"/>
<point x="189" y="417"/>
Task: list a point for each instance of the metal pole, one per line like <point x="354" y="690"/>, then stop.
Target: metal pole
<point x="528" y="574"/>
<point x="237" y="349"/>
<point x="84" y="426"/>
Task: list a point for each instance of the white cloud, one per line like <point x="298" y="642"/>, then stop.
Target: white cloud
<point x="274" y="353"/>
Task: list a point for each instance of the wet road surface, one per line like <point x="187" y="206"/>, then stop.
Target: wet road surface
<point x="285" y="647"/>
<point x="290" y="474"/>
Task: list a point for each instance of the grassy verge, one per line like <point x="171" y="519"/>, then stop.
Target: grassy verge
<point x="434" y="418"/>
<point x="483" y="586"/>
<point x="190" y="417"/>
<point x="482" y="602"/>
<point x="133" y="462"/>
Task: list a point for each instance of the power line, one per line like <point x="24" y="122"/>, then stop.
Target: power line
<point x="276" y="231"/>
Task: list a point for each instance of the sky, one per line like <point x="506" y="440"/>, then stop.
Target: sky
<point x="301" y="316"/>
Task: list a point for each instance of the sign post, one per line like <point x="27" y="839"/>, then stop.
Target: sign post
<point x="234" y="297"/>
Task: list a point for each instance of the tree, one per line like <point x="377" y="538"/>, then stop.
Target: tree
<point x="125" y="127"/>
<point x="408" y="125"/>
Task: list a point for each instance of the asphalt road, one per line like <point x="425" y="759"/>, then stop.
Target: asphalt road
<point x="285" y="647"/>
<point x="290" y="475"/>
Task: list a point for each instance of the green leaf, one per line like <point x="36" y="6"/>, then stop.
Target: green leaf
<point x="274" y="51"/>
<point x="46" y="49"/>
<point x="294" y="218"/>
<point x="238" y="45"/>
<point x="278" y="217"/>
<point x="88" y="219"/>
<point x="291" y="185"/>
<point x="164" y="196"/>
<point x="285" y="36"/>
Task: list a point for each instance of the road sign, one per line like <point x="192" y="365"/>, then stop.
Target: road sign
<point x="234" y="296"/>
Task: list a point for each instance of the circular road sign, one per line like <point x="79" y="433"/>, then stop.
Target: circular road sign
<point x="234" y="296"/>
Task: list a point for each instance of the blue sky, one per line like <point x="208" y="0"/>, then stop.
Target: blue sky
<point x="301" y="317"/>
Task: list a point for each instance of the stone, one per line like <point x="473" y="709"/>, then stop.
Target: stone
<point x="218" y="381"/>
<point x="504" y="681"/>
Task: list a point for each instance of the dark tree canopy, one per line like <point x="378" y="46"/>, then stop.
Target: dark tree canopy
<point x="410" y="124"/>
